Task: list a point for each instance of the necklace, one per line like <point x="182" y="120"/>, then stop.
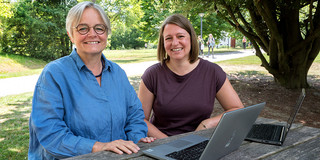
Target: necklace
<point x="99" y="75"/>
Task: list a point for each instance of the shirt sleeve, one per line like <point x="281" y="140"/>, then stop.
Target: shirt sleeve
<point x="149" y="77"/>
<point x="135" y="127"/>
<point x="47" y="122"/>
<point x="220" y="76"/>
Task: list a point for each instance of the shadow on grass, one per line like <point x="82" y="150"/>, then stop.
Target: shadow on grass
<point x="222" y="52"/>
<point x="135" y="82"/>
<point x="14" y="135"/>
<point x="134" y="60"/>
<point x="125" y="61"/>
<point x="251" y="73"/>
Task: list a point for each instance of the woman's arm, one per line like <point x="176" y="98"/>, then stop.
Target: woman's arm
<point x="229" y="100"/>
<point x="147" y="98"/>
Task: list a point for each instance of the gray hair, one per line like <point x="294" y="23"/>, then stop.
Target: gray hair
<point x="75" y="13"/>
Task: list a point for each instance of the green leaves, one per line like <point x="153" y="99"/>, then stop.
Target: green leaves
<point x="37" y="30"/>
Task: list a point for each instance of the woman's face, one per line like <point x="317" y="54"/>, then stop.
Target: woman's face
<point x="90" y="43"/>
<point x="177" y="42"/>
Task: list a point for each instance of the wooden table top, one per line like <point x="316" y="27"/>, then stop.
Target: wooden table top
<point x="302" y="142"/>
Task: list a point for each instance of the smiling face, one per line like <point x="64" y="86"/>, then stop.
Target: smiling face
<point x="177" y="42"/>
<point x="90" y="43"/>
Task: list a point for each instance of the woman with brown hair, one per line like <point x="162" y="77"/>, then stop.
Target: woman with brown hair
<point x="181" y="89"/>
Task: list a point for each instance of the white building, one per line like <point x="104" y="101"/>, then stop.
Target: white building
<point x="225" y="41"/>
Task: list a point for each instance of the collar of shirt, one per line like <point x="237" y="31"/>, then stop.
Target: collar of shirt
<point x="74" y="55"/>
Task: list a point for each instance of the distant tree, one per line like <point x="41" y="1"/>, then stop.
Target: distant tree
<point x="5" y="13"/>
<point x="127" y="39"/>
<point x="37" y="29"/>
<point x="287" y="30"/>
<point x="124" y="17"/>
<point x="155" y="12"/>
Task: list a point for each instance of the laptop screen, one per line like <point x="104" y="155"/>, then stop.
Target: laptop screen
<point x="296" y="109"/>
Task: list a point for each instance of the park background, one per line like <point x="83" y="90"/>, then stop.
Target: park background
<point x="33" y="34"/>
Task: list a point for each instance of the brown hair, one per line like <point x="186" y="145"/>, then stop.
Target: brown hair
<point x="185" y="24"/>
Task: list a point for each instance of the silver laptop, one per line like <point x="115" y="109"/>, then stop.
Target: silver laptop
<point x="273" y="133"/>
<point x="227" y="137"/>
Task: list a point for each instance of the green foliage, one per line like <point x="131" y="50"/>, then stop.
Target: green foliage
<point x="155" y="13"/>
<point x="38" y="30"/>
<point x="127" y="39"/>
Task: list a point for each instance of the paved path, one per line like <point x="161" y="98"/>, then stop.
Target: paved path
<point x="17" y="85"/>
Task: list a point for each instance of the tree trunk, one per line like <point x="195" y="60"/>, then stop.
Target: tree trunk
<point x="295" y="77"/>
<point x="289" y="70"/>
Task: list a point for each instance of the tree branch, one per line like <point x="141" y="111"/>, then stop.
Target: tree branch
<point x="259" y="26"/>
<point x="310" y="16"/>
<point x="308" y="39"/>
<point x="316" y="16"/>
<point x="266" y="13"/>
<point x="243" y="20"/>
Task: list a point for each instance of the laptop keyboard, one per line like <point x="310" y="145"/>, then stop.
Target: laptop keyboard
<point x="190" y="153"/>
<point x="265" y="132"/>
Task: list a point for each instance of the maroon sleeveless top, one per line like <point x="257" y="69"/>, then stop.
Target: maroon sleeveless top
<point x="182" y="102"/>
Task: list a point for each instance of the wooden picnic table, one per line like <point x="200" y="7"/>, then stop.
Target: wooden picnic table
<point x="302" y="142"/>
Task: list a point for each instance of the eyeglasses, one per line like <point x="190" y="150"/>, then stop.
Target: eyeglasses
<point x="84" y="28"/>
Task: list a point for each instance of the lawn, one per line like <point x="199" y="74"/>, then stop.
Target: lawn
<point x="14" y="135"/>
<point x="16" y="65"/>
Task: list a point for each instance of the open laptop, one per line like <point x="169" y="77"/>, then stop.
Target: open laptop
<point x="272" y="133"/>
<point x="227" y="137"/>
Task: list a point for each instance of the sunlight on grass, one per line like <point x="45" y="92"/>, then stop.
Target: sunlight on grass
<point x="14" y="135"/>
<point x="317" y="58"/>
<point x="17" y="65"/>
<point x="249" y="60"/>
<point x="14" y="150"/>
<point x="131" y="56"/>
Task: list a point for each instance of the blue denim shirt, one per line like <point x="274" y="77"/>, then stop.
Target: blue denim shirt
<point x="70" y="111"/>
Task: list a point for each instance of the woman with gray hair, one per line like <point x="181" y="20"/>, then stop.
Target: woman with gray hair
<point x="83" y="102"/>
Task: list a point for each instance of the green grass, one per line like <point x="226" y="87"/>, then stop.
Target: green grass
<point x="317" y="60"/>
<point x="14" y="135"/>
<point x="136" y="56"/>
<point x="131" y="56"/>
<point x="17" y="65"/>
<point x="249" y="60"/>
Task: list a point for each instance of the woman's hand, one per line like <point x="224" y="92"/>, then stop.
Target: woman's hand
<point x="117" y="146"/>
<point x="147" y="139"/>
